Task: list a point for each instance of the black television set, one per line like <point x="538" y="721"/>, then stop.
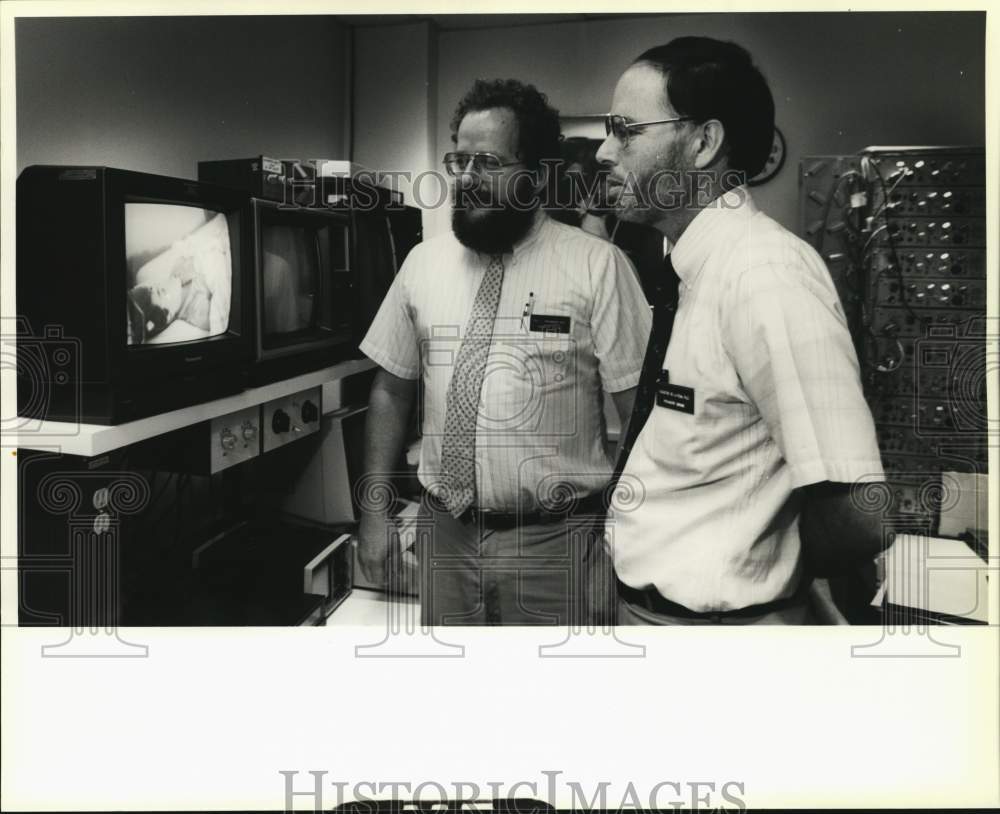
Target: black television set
<point x="381" y="232"/>
<point x="321" y="275"/>
<point x="306" y="301"/>
<point x="137" y="288"/>
<point x="382" y="238"/>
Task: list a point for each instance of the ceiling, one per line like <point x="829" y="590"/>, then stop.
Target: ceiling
<point x="454" y="22"/>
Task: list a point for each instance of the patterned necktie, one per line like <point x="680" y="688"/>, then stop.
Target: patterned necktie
<point x="458" y="447"/>
<point x="665" y="297"/>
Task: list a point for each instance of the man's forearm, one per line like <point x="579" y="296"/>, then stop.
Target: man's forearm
<point x="837" y="535"/>
<point x="389" y="410"/>
<point x="624" y="402"/>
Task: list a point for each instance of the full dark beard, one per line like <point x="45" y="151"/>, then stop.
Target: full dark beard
<point x="491" y="231"/>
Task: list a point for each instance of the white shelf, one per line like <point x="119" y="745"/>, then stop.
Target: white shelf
<point x="373" y="608"/>
<point x="96" y="439"/>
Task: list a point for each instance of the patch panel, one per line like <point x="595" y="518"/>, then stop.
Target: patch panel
<point x="932" y="367"/>
<point x="903" y="450"/>
<point x="896" y="321"/>
<point x="927" y="416"/>
<point x="897" y="462"/>
<point x="916" y="260"/>
<point x="931" y="201"/>
<point x="906" y="441"/>
<point x="932" y="292"/>
<point x="916" y="231"/>
<point x="953" y="263"/>
<point x="916" y="169"/>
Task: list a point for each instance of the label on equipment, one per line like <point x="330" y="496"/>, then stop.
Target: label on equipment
<point x="273" y="165"/>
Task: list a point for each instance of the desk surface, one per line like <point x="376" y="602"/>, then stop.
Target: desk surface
<point x="88" y="440"/>
<point x="365" y="607"/>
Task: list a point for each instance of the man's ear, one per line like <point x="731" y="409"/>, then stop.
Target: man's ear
<point x="709" y="142"/>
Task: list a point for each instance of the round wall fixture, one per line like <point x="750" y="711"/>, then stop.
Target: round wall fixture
<point x="775" y="161"/>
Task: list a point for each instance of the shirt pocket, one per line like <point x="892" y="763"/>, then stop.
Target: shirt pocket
<point x="552" y="355"/>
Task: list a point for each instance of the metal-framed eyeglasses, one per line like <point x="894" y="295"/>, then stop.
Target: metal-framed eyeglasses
<point x="621" y="127"/>
<point x="458" y="162"/>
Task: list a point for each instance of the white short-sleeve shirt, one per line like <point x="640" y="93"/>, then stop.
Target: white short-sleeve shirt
<point x="572" y="321"/>
<point x="707" y="509"/>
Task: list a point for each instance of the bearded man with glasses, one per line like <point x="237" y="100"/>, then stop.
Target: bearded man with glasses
<point x="750" y="427"/>
<point x="516" y="325"/>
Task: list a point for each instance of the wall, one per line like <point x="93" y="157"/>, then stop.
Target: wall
<point x="841" y="81"/>
<point x="395" y="101"/>
<point x="160" y="94"/>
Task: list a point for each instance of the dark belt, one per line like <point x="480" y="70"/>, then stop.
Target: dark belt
<point x="653" y="600"/>
<point x="497" y="520"/>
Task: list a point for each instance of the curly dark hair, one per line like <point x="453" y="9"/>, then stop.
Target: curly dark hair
<point x="711" y="79"/>
<point x="537" y="121"/>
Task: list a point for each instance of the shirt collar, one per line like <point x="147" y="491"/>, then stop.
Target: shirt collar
<point x="724" y="217"/>
<point x="538" y="225"/>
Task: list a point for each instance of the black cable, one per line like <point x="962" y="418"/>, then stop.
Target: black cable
<point x="828" y="205"/>
<point x="892" y="247"/>
<point x="867" y="256"/>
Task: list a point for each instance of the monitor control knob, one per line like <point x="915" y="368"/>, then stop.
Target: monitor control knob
<point x="280" y="422"/>
<point x="309" y="412"/>
<point x="227" y="439"/>
<point x="249" y="431"/>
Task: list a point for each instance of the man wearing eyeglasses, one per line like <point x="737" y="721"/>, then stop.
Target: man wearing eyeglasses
<point x="515" y="325"/>
<point x="749" y="426"/>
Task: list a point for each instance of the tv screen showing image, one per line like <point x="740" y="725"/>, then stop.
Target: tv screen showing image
<point x="180" y="273"/>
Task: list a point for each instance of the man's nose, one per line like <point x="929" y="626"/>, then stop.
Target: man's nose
<point x="467" y="177"/>
<point x="608" y="151"/>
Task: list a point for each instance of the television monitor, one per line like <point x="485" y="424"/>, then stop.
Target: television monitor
<point x="137" y="289"/>
<point x="305" y="289"/>
<point x="382" y="239"/>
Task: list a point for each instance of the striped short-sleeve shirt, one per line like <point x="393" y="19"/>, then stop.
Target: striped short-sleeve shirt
<point x="762" y="395"/>
<point x="572" y="322"/>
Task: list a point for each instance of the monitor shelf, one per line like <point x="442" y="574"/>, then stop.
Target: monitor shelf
<point x="88" y="440"/>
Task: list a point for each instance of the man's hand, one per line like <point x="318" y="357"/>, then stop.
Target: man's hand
<point x="373" y="547"/>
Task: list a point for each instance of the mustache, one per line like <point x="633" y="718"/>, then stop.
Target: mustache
<point x="503" y="194"/>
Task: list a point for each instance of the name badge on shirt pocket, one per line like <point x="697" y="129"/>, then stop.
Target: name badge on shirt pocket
<point x="674" y="396"/>
<point x="549" y="324"/>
